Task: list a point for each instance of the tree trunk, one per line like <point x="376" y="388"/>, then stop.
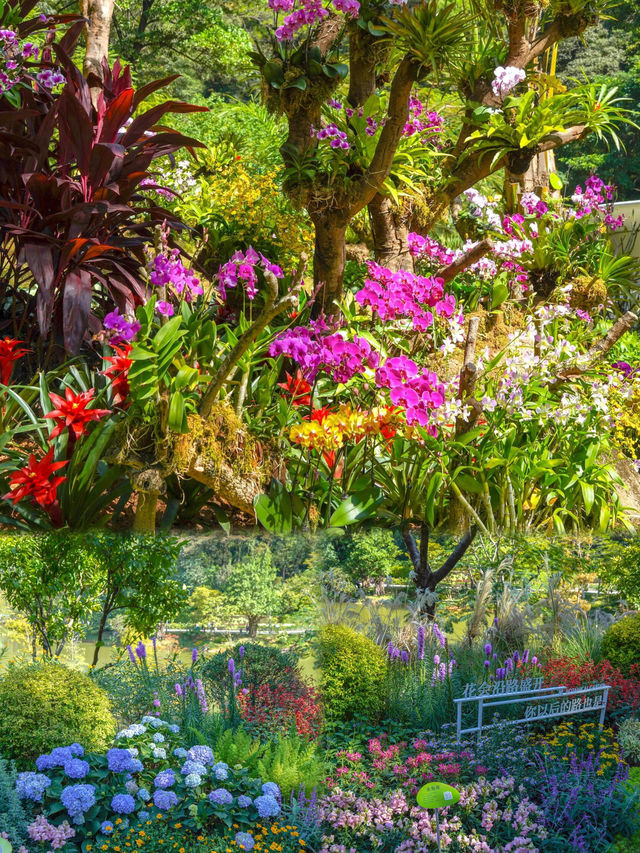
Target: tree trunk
<point x="98" y="645"/>
<point x="389" y="227"/>
<point x="328" y="261"/>
<point x="252" y="627"/>
<point x="145" y="518"/>
<point x="98" y="14"/>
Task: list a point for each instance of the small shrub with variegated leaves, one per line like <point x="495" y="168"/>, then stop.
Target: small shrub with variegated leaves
<point x="629" y="739"/>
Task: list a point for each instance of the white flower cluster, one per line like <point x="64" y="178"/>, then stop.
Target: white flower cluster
<point x="506" y="79"/>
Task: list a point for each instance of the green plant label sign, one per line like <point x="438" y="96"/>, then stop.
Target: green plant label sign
<point x="437" y="795"/>
<point x="5" y="847"/>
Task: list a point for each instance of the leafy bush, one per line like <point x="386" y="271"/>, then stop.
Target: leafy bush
<point x="13" y="820"/>
<point x="281" y="709"/>
<point x="621" y="643"/>
<point x="289" y="761"/>
<point x="629" y="739"/>
<point x="45" y="705"/>
<point x="353" y="673"/>
<point x="624" y="695"/>
<point x="261" y="665"/>
<point x="81" y="247"/>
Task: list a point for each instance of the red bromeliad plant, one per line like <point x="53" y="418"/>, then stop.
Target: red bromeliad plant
<point x="75" y="212"/>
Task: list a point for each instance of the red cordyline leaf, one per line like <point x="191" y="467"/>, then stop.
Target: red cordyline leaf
<point x="72" y="412"/>
<point x="9" y="354"/>
<point x="35" y="480"/>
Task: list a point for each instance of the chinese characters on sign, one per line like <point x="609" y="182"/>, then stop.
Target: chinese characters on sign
<point x="528" y="695"/>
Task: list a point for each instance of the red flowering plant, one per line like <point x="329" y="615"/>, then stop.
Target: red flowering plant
<point x="267" y="708"/>
<point x="624" y="695"/>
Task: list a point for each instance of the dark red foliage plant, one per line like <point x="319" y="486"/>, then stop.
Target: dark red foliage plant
<point x="282" y="707"/>
<point x="76" y="189"/>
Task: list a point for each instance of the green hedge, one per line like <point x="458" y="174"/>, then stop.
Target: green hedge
<point x="621" y="643"/>
<point x="45" y="705"/>
<point x="353" y="673"/>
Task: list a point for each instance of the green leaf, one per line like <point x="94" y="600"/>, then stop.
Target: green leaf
<point x="555" y="181"/>
<point x="467" y="483"/>
<point x="176" y="412"/>
<point x="355" y="508"/>
<point x="298" y="83"/>
<point x="499" y="295"/>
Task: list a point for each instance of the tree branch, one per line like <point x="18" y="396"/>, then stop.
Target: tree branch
<point x="397" y="116"/>
<point x="454" y="558"/>
<point x="555" y="140"/>
<point x="470" y="257"/>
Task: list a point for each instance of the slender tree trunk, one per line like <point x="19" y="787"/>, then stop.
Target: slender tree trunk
<point x="99" y="14"/>
<point x="329" y="260"/>
<point x="98" y="645"/>
<point x="145" y="518"/>
<point x="389" y="227"/>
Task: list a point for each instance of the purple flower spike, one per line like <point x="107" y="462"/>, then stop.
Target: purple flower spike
<point x="421" y="641"/>
<point x="232" y="667"/>
<point x="241" y="652"/>
<point x="525" y="656"/>
<point x="405" y="656"/>
<point x="141" y="650"/>
<point x="487" y="649"/>
<point x="516" y="656"/>
<point x="132" y="657"/>
<point x="194" y="655"/>
<point x="487" y="663"/>
<point x="179" y="690"/>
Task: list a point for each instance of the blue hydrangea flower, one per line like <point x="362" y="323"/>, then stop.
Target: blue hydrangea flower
<point x="160" y="753"/>
<point x="133" y="730"/>
<point x="58" y="756"/>
<point x="144" y="795"/>
<point x="143" y="815"/>
<point x="146" y="720"/>
<point x="221" y="771"/>
<point x="180" y="752"/>
<point x="106" y="827"/>
<point x="76" y="768"/>
<point x="121" y="761"/>
<point x="193" y="767"/>
<point x="78" y="799"/>
<point x="165" y="779"/>
<point x="133" y="751"/>
<point x="158" y="737"/>
<point x="192" y="780"/>
<point x="164" y="800"/>
<point x="157" y="723"/>
<point x="131" y="786"/>
<point x="243" y="801"/>
<point x="272" y="789"/>
<point x="31" y="786"/>
<point x="267" y="806"/>
<point x="220" y="797"/>
<point x="174" y="729"/>
<point x="201" y="753"/>
<point x="123" y="804"/>
<point x="245" y="841"/>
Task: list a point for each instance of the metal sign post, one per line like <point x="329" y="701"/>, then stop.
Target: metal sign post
<point x="437" y="795"/>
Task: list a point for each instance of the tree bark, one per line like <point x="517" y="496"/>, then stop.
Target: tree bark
<point x="145" y="517"/>
<point x="99" y="14"/>
<point x="329" y="258"/>
<point x="389" y="227"/>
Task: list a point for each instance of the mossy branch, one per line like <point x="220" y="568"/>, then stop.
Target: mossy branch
<point x="272" y="308"/>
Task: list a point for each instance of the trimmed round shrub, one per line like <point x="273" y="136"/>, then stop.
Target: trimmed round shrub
<point x="261" y="666"/>
<point x="353" y="673"/>
<point x="621" y="643"/>
<point x="46" y="705"/>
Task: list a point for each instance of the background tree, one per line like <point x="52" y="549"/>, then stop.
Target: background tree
<point x="138" y="578"/>
<point x="99" y="14"/>
<point x="435" y="46"/>
<point x="251" y="589"/>
<point x="55" y="581"/>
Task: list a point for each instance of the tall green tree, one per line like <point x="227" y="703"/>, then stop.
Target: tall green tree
<point x="251" y="589"/>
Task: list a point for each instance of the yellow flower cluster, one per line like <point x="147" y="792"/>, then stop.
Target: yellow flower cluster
<point x="625" y="412"/>
<point x="567" y="739"/>
<point x="256" y="211"/>
<point x="346" y="424"/>
<point x="268" y="839"/>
